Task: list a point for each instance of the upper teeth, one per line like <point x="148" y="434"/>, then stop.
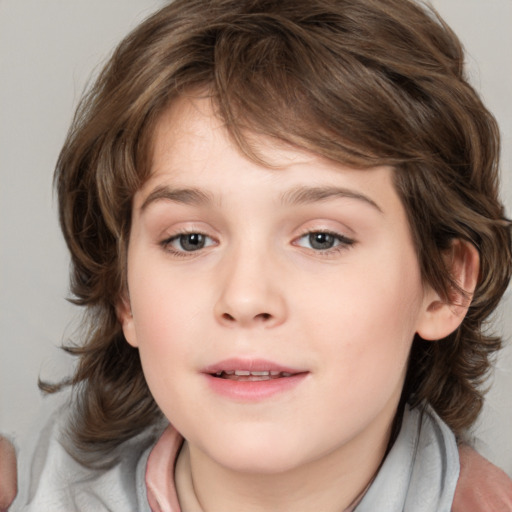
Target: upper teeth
<point x="246" y="373"/>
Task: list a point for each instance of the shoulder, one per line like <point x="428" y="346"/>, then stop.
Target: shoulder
<point x="482" y="487"/>
<point x="51" y="480"/>
<point x="8" y="484"/>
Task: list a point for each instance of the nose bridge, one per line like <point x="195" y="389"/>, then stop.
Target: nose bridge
<point x="250" y="291"/>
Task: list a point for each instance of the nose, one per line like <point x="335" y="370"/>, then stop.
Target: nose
<point x="251" y="292"/>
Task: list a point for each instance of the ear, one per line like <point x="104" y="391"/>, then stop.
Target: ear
<point x="441" y="316"/>
<point x="125" y="317"/>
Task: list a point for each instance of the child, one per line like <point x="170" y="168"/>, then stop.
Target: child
<point x="285" y="231"/>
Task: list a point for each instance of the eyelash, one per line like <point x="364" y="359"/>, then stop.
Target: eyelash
<point x="167" y="244"/>
<point x="343" y="243"/>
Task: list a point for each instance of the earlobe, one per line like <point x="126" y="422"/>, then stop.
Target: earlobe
<point x="441" y="316"/>
<point x="125" y="317"/>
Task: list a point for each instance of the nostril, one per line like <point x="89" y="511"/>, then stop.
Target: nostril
<point x="260" y="317"/>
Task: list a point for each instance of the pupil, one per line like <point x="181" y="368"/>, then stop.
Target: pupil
<point x="321" y="240"/>
<point x="192" y="242"/>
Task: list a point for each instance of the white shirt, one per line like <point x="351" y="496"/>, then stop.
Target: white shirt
<point x="419" y="474"/>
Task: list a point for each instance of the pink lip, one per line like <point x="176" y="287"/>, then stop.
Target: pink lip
<point x="252" y="391"/>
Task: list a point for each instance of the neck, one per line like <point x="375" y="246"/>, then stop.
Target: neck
<point x="332" y="483"/>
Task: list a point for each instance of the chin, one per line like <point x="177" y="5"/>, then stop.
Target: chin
<point x="263" y="455"/>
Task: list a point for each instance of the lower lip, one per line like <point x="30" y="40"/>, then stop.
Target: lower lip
<point x="253" y="391"/>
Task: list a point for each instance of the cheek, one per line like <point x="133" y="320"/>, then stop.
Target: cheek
<point x="163" y="317"/>
<point x="162" y="302"/>
<point x="164" y="333"/>
<point x="366" y="324"/>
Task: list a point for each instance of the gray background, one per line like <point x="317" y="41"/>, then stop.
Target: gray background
<point x="48" y="51"/>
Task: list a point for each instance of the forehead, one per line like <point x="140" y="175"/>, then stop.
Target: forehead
<point x="190" y="136"/>
<point x="191" y="127"/>
<point x="195" y="161"/>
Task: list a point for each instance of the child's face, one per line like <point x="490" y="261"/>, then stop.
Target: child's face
<point x="308" y="269"/>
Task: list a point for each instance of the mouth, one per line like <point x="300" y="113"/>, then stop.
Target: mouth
<point x="250" y="370"/>
<point x="251" y="376"/>
<point x="250" y="380"/>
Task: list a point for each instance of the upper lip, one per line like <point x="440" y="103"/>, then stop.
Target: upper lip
<point x="251" y="365"/>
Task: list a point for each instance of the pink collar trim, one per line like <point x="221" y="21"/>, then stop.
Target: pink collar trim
<point x="160" y="487"/>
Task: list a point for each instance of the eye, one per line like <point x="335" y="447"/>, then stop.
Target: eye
<point x="187" y="242"/>
<point x="324" y="241"/>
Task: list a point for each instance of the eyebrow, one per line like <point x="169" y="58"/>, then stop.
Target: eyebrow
<point x="295" y="196"/>
<point x="193" y="196"/>
<point x="308" y="195"/>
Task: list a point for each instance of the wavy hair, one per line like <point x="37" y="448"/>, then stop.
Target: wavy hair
<point x="362" y="82"/>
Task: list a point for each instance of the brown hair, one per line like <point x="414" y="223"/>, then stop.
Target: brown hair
<point x="362" y="82"/>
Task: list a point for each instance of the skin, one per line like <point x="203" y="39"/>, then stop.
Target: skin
<point x="258" y="288"/>
<point x="8" y="487"/>
<point x="481" y="487"/>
